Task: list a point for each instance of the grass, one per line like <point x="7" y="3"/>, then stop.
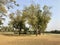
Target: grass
<point x="47" y="39"/>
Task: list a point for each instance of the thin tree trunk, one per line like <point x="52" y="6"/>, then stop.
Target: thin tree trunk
<point x="20" y="31"/>
<point x="25" y="31"/>
<point x="39" y="32"/>
<point x="36" y="32"/>
<point x="43" y="32"/>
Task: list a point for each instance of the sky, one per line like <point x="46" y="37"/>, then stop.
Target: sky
<point x="54" y="23"/>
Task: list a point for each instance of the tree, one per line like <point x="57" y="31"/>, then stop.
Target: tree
<point x="46" y="16"/>
<point x="29" y="13"/>
<point x="6" y="29"/>
<point x="34" y="16"/>
<point x="2" y="13"/>
<point x="4" y="5"/>
<point x="37" y="18"/>
<point x="17" y="21"/>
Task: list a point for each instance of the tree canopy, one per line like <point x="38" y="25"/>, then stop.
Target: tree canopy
<point x="5" y="5"/>
<point x="35" y="17"/>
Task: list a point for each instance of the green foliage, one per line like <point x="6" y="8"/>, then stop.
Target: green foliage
<point x="1" y="22"/>
<point x="5" y="5"/>
<point x="17" y="21"/>
<point x="37" y="18"/>
<point x="34" y="16"/>
<point x="6" y="29"/>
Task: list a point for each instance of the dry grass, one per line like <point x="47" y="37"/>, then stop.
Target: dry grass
<point x="30" y="40"/>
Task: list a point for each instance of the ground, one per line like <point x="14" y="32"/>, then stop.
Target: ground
<point x="50" y="39"/>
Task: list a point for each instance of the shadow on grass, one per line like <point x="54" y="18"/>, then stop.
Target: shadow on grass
<point x="10" y="35"/>
<point x="23" y="35"/>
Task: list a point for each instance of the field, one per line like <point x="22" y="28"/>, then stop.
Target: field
<point x="47" y="39"/>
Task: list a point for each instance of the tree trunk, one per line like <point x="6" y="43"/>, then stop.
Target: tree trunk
<point x="36" y="32"/>
<point x="39" y="32"/>
<point x="20" y="31"/>
<point x="25" y="31"/>
<point x="43" y="32"/>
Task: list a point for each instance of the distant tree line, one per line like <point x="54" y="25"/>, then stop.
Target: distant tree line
<point x="53" y="31"/>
